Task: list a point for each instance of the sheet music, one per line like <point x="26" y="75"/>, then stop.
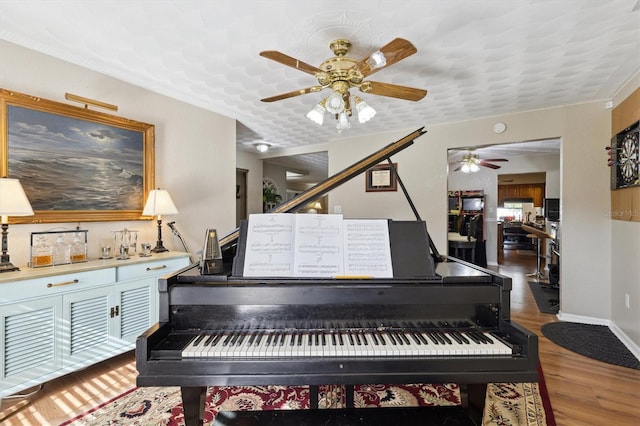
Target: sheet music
<point x="269" y="251"/>
<point x="318" y="245"/>
<point x="366" y="248"/>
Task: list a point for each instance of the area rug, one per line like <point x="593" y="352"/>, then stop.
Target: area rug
<point x="547" y="298"/>
<point x="506" y="403"/>
<point x="593" y="341"/>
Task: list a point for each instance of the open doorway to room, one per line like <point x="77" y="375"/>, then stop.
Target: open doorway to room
<point x="539" y="159"/>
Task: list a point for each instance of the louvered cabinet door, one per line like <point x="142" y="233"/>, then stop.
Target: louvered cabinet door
<point x="30" y="341"/>
<point x="86" y="326"/>
<point x="137" y="309"/>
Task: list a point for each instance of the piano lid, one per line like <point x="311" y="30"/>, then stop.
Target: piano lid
<point x="229" y="241"/>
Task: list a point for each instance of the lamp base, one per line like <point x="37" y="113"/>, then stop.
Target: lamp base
<point x="8" y="267"/>
<point x="159" y="249"/>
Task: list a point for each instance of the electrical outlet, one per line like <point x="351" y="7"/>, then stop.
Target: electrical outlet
<point x="337" y="209"/>
<point x="627" y="301"/>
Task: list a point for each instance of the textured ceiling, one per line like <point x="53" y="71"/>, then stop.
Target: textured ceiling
<point x="476" y="58"/>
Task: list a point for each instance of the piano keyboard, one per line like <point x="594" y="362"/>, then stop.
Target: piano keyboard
<point x="343" y="343"/>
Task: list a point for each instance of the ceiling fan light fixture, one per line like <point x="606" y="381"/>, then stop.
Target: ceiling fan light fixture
<point x="465" y="168"/>
<point x="473" y="167"/>
<point x="334" y="103"/>
<point x="343" y="122"/>
<point x="262" y="146"/>
<point x="365" y="112"/>
<point x="377" y="60"/>
<point x="317" y="113"/>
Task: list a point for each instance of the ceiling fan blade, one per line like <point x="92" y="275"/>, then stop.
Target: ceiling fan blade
<point x="489" y="165"/>
<point x="393" y="91"/>
<point x="394" y="51"/>
<point x="495" y="159"/>
<point x="455" y="170"/>
<point x="295" y="93"/>
<point x="274" y="55"/>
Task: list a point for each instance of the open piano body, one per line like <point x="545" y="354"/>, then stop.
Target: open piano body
<point x="436" y="321"/>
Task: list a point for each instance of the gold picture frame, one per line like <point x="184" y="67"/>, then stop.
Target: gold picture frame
<point x="75" y="164"/>
<point x="381" y="178"/>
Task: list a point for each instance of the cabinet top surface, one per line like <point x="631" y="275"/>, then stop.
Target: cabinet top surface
<point x="27" y="273"/>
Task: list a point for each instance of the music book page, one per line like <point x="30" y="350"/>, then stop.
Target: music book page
<point x="269" y="251"/>
<point x="367" y="251"/>
<point x="316" y="246"/>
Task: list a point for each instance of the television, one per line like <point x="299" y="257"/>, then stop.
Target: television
<point x="552" y="209"/>
<point x="472" y="204"/>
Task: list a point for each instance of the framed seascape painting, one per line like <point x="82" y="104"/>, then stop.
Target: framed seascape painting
<point x="75" y="164"/>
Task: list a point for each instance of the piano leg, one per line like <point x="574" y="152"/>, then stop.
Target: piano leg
<point x="472" y="398"/>
<point x="193" y="399"/>
<point x="348" y="396"/>
<point x="313" y="397"/>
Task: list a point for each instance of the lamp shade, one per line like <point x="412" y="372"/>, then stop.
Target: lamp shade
<point x="159" y="202"/>
<point x="13" y="200"/>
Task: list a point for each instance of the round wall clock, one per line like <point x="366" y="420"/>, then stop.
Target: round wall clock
<point x="625" y="170"/>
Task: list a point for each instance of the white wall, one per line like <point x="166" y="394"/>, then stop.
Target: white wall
<point x="586" y="230"/>
<point x="195" y="149"/>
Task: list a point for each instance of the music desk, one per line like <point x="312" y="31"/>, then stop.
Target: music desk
<point x="459" y="244"/>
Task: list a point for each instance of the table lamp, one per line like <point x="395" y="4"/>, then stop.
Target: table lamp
<point x="159" y="202"/>
<point x="13" y="202"/>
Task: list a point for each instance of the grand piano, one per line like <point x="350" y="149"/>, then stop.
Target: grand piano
<point x="438" y="320"/>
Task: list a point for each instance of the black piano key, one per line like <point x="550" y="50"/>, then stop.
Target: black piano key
<point x="268" y="342"/>
<point x="463" y="338"/>
<point x="375" y="339"/>
<point x="252" y="338"/>
<point x="434" y="338"/>
<point x="382" y="339"/>
<point x="473" y="337"/>
<point x="259" y="335"/>
<point x="294" y="335"/>
<point x="390" y="336"/>
<point x="324" y="342"/>
<point x="340" y="339"/>
<point x="316" y="338"/>
<point x="198" y="339"/>
<point x="209" y="339"/>
<point x="351" y="342"/>
<point x="444" y="337"/>
<point x="283" y="337"/>
<point x="415" y="338"/>
<point x="227" y="339"/>
<point x="404" y="338"/>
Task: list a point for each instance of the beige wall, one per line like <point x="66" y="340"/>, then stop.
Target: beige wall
<point x="586" y="265"/>
<point x="195" y="149"/>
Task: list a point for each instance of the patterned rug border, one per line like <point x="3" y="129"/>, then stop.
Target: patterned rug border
<point x="506" y="404"/>
<point x="99" y="406"/>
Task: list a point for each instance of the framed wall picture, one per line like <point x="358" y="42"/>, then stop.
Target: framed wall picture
<point x="381" y="178"/>
<point x="75" y="165"/>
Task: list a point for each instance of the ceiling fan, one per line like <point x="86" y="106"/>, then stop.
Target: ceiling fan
<point x="471" y="163"/>
<point x="341" y="74"/>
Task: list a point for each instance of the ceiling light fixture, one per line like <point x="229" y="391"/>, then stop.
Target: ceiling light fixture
<point x="470" y="163"/>
<point x="262" y="146"/>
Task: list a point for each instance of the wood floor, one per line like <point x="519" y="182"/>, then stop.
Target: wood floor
<point x="583" y="391"/>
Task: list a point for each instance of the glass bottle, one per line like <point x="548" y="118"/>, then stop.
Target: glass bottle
<point x="61" y="252"/>
<point x="78" y="249"/>
<point x="41" y="252"/>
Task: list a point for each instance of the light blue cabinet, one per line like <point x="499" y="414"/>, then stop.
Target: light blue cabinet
<point x="57" y="320"/>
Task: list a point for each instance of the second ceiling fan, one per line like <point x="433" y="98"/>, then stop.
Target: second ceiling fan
<point x="471" y="163"/>
<point x="341" y="73"/>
